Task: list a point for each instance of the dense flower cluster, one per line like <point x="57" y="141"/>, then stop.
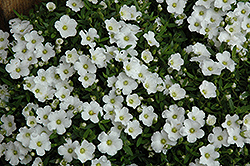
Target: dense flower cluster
<point x="97" y="89"/>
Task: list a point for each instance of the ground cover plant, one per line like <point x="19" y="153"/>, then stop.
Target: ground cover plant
<point x="88" y="82"/>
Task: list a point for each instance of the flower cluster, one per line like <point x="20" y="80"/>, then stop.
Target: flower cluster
<point x="126" y="83"/>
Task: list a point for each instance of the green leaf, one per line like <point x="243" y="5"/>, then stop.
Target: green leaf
<point x="243" y="109"/>
<point x="128" y="150"/>
<point x="139" y="141"/>
<point x="231" y="104"/>
<point x="6" y="81"/>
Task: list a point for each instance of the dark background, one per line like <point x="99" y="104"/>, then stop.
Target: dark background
<point x="6" y="10"/>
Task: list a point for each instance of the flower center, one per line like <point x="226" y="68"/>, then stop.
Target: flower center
<point x="131" y="130"/>
<point x="174" y="94"/>
<point x="196" y="24"/>
<point x="174" y="116"/>
<point x="24" y="50"/>
<point x="174" y="130"/>
<point x="125" y="82"/>
<point x="74" y="4"/>
<point x="204" y="91"/>
<point x="88" y="38"/>
<point x="220" y="138"/>
<point x="65" y="71"/>
<point x="27" y="134"/>
<point x="231" y="29"/>
<point x="70" y="150"/>
<point x="43" y="78"/>
<point x="192" y="130"/>
<point x="85" y="66"/>
<point x="146" y="116"/>
<point x="210" y="68"/>
<point x="163" y="141"/>
<point x="224" y="63"/>
<point x="91" y="112"/>
<point x="229" y="123"/>
<point x="82" y="150"/>
<point x="39" y="143"/>
<point x="45" y="116"/>
<point x="248" y="25"/>
<point x="14" y="152"/>
<point x="174" y="5"/>
<point x="235" y="138"/>
<point x="1" y="39"/>
<point x="110" y="28"/>
<point x="112" y="101"/>
<point x="58" y="121"/>
<point x="201" y="13"/>
<point x="126" y="38"/>
<point x="10" y="124"/>
<point x="18" y="69"/>
<point x="86" y="78"/>
<point x="65" y="27"/>
<point x="121" y="117"/>
<point x="45" y="51"/>
<point x="243" y="11"/>
<point x="33" y="41"/>
<point x="207" y="155"/>
<point x="109" y="142"/>
<point x="131" y="101"/>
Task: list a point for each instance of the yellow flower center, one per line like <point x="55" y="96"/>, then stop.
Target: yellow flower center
<point x="192" y="130"/>
<point x="109" y="142"/>
<point x="126" y="38"/>
<point x="58" y="121"/>
<point x="220" y="138"/>
<point x="82" y="150"/>
<point x="207" y="155"/>
<point x="39" y="143"/>
<point x="85" y="66"/>
<point x="65" y="27"/>
<point x="163" y="141"/>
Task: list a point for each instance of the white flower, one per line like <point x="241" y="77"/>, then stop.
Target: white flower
<point x="225" y="5"/>
<point x="211" y="120"/>
<point x="65" y="71"/>
<point x="84" y="65"/>
<point x="126" y="37"/>
<point x="125" y="83"/>
<point x="225" y="60"/>
<point x="98" y="57"/>
<point x="33" y="39"/>
<point x="59" y="121"/>
<point x="208" y="155"/>
<point x="208" y="89"/>
<point x="176" y="6"/>
<point x="91" y="111"/>
<point x="218" y="138"/>
<point x="125" y="12"/>
<point x="133" y="128"/>
<point x="51" y="6"/>
<point x="112" y="25"/>
<point x="75" y="5"/>
<point x="234" y="137"/>
<point x="85" y="151"/>
<point x="147" y="116"/>
<point x="62" y="93"/>
<point x="68" y="150"/>
<point x="31" y="121"/>
<point x="175" y="61"/>
<point x="37" y="162"/>
<point x="173" y="130"/>
<point x="113" y="100"/>
<point x="150" y="37"/>
<point x="43" y="114"/>
<point x="133" y="100"/>
<point x="88" y="37"/>
<point x="87" y="80"/>
<point x="102" y="161"/>
<point x="209" y="67"/>
<point x="40" y="142"/>
<point x="16" y="68"/>
<point x="110" y="143"/>
<point x="8" y="124"/>
<point x="174" y="113"/>
<point x="66" y="26"/>
<point x="122" y="115"/>
<point x="231" y="122"/>
<point x="71" y="56"/>
<point x="146" y="56"/>
<point x="176" y="92"/>
<point x="192" y="130"/>
<point x="24" y="135"/>
<point x="160" y="141"/>
<point x="197" y="115"/>
<point x="15" y="152"/>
